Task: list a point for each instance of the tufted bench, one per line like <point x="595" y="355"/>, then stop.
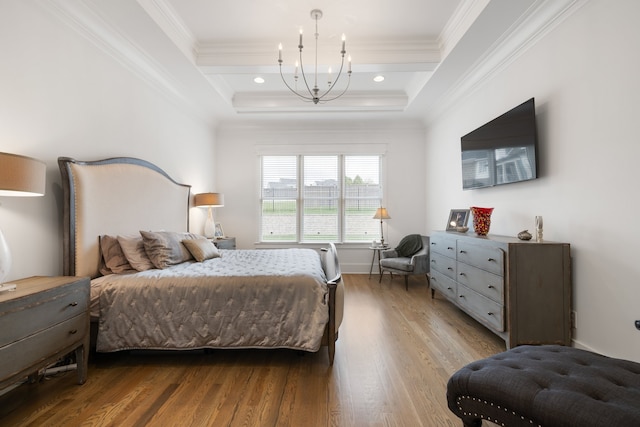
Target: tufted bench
<point x="547" y="386"/>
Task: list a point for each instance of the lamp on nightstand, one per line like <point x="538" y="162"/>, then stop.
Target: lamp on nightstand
<point x="209" y="200"/>
<point x="23" y="177"/>
<point x="381" y="213"/>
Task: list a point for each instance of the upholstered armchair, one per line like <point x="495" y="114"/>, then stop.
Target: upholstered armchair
<point x="411" y="256"/>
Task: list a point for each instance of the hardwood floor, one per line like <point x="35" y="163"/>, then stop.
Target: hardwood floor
<point x="394" y="356"/>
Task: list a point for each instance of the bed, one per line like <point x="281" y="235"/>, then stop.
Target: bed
<point x="155" y="285"/>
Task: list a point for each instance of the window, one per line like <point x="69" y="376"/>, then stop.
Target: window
<point x="321" y="198"/>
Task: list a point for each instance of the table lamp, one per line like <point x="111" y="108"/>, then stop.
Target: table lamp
<point x="209" y="200"/>
<point x="20" y="176"/>
<point x="381" y="213"/>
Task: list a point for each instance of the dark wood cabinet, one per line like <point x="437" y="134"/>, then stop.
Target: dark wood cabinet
<point x="520" y="290"/>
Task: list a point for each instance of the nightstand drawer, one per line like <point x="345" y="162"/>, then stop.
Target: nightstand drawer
<point x="34" y="313"/>
<point x="34" y="349"/>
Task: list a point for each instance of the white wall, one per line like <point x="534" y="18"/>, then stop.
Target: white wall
<point x="584" y="77"/>
<point x="238" y="176"/>
<point x="60" y="95"/>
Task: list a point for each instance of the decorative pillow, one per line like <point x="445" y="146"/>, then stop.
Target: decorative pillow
<point x="409" y="245"/>
<point x="165" y="248"/>
<point x="133" y="249"/>
<point x="114" y="259"/>
<point x="201" y="249"/>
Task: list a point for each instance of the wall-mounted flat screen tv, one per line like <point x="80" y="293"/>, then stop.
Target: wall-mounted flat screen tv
<point x="503" y="151"/>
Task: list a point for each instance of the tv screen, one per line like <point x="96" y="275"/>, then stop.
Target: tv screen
<point x="502" y="151"/>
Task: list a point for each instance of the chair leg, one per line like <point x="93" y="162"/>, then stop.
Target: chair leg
<point x="380" y="277"/>
<point x="406" y="281"/>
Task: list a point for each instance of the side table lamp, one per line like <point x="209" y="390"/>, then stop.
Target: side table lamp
<point x="22" y="177"/>
<point x="209" y="200"/>
<point x="381" y="213"/>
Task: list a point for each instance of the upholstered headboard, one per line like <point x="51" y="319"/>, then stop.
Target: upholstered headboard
<point x="115" y="196"/>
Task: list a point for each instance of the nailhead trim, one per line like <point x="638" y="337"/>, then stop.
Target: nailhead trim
<point x="484" y="417"/>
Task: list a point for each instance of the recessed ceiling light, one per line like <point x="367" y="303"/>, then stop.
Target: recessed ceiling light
<point x="259" y="80"/>
<point x="378" y="79"/>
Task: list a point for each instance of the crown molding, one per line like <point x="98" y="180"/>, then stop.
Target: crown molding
<point x="166" y="17"/>
<point x="462" y="19"/>
<point x="86" y="19"/>
<point x="539" y="20"/>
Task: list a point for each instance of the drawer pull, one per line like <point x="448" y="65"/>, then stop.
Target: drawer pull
<point x="491" y="260"/>
<point x="462" y="274"/>
<point x="449" y="288"/>
<point x="73" y="304"/>
<point x="433" y="243"/>
<point x="489" y="313"/>
<point x="490" y="287"/>
<point x="461" y="296"/>
<point x="449" y="248"/>
<point x="463" y="252"/>
<point x="73" y="331"/>
<point x="449" y="268"/>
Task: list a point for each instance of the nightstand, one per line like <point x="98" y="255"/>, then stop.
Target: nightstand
<point x="44" y="319"/>
<point x="225" y="242"/>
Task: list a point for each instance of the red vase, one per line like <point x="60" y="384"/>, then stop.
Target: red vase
<point x="481" y="220"/>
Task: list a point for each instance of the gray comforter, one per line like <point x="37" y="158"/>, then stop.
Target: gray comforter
<point x="245" y="299"/>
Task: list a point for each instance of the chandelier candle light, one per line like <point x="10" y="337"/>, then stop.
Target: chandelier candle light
<point x="314" y="94"/>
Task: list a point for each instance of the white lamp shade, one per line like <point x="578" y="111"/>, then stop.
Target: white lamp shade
<point x="21" y="176"/>
<point x="209" y="199"/>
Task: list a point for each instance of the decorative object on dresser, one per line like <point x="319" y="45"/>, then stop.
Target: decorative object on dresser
<point x="547" y="385"/>
<point x="520" y="290"/>
<point x="481" y="220"/>
<point x="381" y="213"/>
<point x="458" y="220"/>
<point x="411" y="256"/>
<point x="539" y="228"/>
<point x="524" y="235"/>
<point x="19" y="176"/>
<point x="43" y="320"/>
<point x="210" y="201"/>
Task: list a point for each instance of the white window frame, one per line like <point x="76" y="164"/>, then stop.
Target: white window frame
<point x="329" y="149"/>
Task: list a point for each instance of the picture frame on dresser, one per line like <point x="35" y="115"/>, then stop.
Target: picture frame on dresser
<point x="219" y="232"/>
<point x="457" y="218"/>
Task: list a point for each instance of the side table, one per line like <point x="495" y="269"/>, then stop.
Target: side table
<point x="376" y="253"/>
<point x="42" y="320"/>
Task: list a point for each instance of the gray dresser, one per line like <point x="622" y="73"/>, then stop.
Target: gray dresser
<point x="520" y="290"/>
<point x="41" y="321"/>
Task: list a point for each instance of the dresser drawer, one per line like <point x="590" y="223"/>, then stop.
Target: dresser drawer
<point x="35" y="348"/>
<point x="485" y="283"/>
<point x="36" y="313"/>
<point x="443" y="284"/>
<point x="444" y="265"/>
<point x="443" y="245"/>
<point x="484" y="257"/>
<point x="485" y="310"/>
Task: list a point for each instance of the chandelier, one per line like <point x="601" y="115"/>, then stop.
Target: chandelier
<point x="314" y="94"/>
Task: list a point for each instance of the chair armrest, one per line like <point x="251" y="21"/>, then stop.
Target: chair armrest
<point x="420" y="263"/>
<point x="388" y="253"/>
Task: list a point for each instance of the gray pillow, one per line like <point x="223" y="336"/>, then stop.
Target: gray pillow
<point x="114" y="259"/>
<point x="133" y="248"/>
<point x="165" y="248"/>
